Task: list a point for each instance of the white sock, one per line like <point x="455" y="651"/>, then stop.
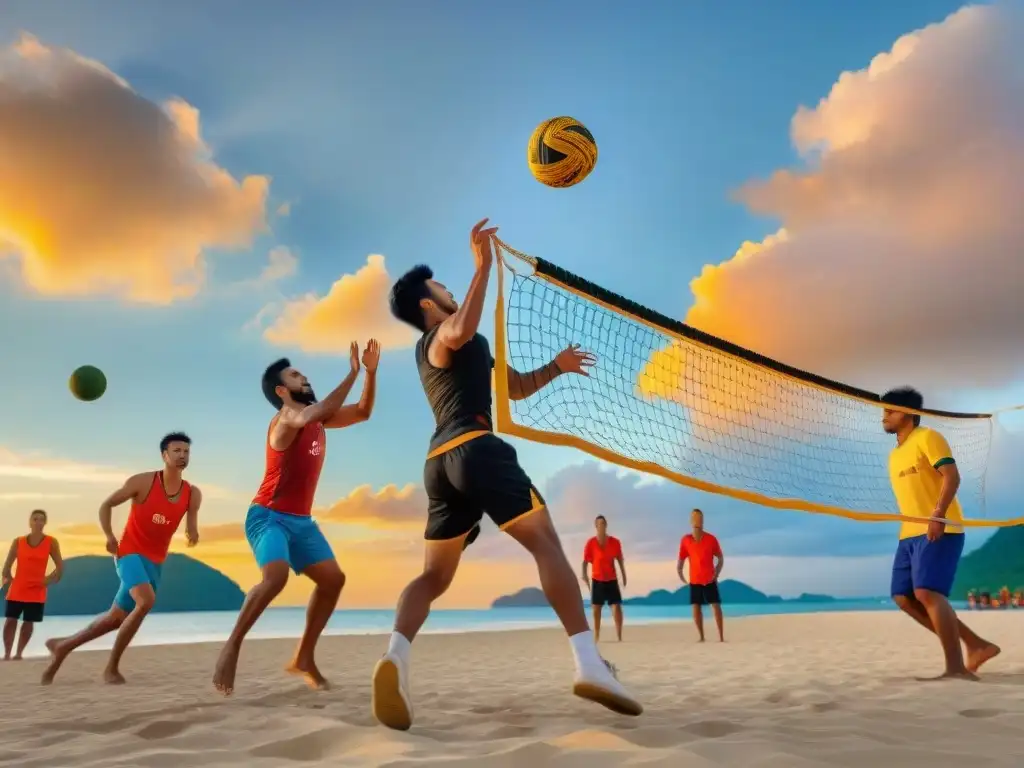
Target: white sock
<point x="399" y="647"/>
<point x="584" y="652"/>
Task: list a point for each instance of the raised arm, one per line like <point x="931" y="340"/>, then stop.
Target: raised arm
<point x="134" y="487"/>
<point x="569" y="360"/>
<point x="12" y="555"/>
<point x="462" y="325"/>
<point x="58" y="563"/>
<point x="192" y="517"/>
<point x="348" y="415"/>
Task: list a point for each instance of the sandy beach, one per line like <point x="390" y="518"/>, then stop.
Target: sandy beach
<point x="783" y="692"/>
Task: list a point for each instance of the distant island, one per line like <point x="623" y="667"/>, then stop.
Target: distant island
<point x="731" y="591"/>
<point x="90" y="581"/>
<point x="997" y="563"/>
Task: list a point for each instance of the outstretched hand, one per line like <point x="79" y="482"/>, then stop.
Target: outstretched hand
<point x="574" y="360"/>
<point x="353" y="356"/>
<point x="480" y="242"/>
<point x="371" y="356"/>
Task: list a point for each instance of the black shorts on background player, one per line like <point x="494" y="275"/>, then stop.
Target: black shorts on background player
<point x="605" y="593"/>
<point x="481" y="476"/>
<point x="705" y="594"/>
<point x="30" y="612"/>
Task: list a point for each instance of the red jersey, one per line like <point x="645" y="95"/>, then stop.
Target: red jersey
<point x="602" y="559"/>
<point x="152" y="523"/>
<point x="702" y="557"/>
<point x="29" y="584"/>
<point x="289" y="483"/>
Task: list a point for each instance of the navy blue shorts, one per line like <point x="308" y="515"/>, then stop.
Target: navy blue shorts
<point x="923" y="564"/>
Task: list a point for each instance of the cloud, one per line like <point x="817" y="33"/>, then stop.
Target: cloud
<point x="281" y="264"/>
<point x="103" y="192"/>
<point x="390" y="508"/>
<point x="898" y="258"/>
<point x="355" y="309"/>
<point x="19" y="496"/>
<point x="652" y="516"/>
<point x="37" y="465"/>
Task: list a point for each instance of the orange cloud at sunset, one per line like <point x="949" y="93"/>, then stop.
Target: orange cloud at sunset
<point x="105" y="192"/>
<point x="354" y="309"/>
<point x="899" y="259"/>
<point x="389" y="508"/>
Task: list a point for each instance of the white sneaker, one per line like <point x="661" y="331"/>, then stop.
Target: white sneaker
<point x="390" y="701"/>
<point x="601" y="686"/>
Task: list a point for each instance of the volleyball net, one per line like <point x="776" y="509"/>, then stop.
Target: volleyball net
<point x="672" y="401"/>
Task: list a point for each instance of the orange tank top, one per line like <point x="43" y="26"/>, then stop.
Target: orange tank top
<point x="152" y="524"/>
<point x="29" y="583"/>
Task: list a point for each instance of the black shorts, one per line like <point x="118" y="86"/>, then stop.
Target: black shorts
<point x="705" y="594"/>
<point x="605" y="593"/>
<point x="481" y="476"/>
<point x="30" y="612"/>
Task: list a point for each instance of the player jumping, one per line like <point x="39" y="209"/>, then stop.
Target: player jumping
<point x="160" y="501"/>
<point x="279" y="525"/>
<point x="470" y="471"/>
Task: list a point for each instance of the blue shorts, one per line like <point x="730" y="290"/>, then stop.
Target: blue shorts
<point x="134" y="570"/>
<point x="923" y="564"/>
<point x="296" y="539"/>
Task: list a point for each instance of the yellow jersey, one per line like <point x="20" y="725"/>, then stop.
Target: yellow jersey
<point x="917" y="482"/>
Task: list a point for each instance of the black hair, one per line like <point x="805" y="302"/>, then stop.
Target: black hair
<point x="905" y="397"/>
<point x="272" y="380"/>
<point x="407" y="293"/>
<point x="42" y="512"/>
<point x="174" y="437"/>
<point x="601" y="517"/>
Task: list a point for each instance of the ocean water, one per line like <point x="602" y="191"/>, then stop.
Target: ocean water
<point x="214" y="626"/>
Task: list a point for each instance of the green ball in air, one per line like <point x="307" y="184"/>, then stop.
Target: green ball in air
<point x="88" y="383"/>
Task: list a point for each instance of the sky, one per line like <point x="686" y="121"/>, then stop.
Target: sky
<point x="189" y="191"/>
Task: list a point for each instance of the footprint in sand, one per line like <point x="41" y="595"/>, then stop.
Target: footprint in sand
<point x="979" y="713"/>
<point x="712" y="729"/>
<point x="162" y="729"/>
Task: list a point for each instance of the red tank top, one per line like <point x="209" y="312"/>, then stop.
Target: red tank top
<point x="29" y="584"/>
<point x="151" y="525"/>
<point x="289" y="482"/>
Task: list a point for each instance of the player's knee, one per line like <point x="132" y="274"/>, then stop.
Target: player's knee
<point x="437" y="580"/>
<point x="927" y="597"/>
<point x="275" y="577"/>
<point x="145" y="601"/>
<point x="331" y="580"/>
<point x="903" y="602"/>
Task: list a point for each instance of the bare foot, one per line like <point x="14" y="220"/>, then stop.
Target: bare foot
<point x="978" y="656"/>
<point x="57" y="656"/>
<point x="16" y="658"/>
<point x="113" y="677"/>
<point x="309" y="673"/>
<point x="947" y="675"/>
<point x="224" y="672"/>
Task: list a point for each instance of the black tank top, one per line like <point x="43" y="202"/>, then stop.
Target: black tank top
<point x="459" y="395"/>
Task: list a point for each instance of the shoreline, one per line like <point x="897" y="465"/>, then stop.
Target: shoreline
<point x="488" y="620"/>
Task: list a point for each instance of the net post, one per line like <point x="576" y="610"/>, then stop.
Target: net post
<point x="502" y="406"/>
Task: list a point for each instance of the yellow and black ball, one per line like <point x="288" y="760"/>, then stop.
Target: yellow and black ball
<point x="562" y="152"/>
<point x="88" y="383"/>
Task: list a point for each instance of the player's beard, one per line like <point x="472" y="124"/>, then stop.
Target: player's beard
<point x="304" y="396"/>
